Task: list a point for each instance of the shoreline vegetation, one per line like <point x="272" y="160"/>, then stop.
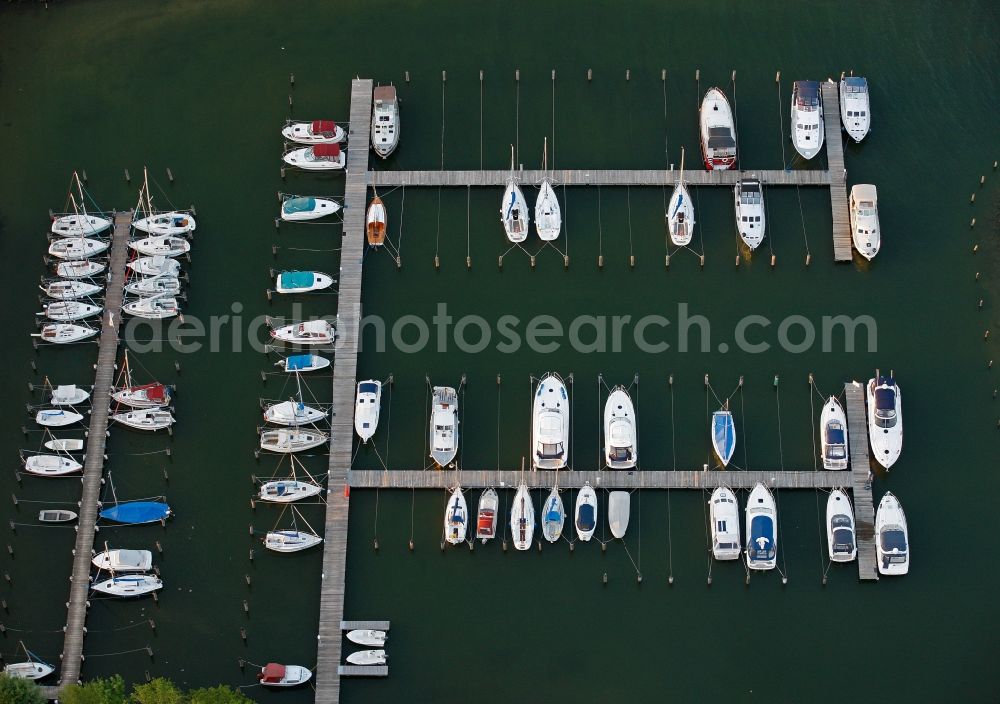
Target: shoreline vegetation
<point x="111" y="690"/>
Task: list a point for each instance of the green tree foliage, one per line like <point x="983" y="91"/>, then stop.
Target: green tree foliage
<point x="218" y="695"/>
<point x="110" y="690"/>
<point x="159" y="691"/>
<point x="14" y="690"/>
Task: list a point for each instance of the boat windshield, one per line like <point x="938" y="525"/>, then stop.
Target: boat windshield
<point x="855" y="84"/>
<point x="620" y="454"/>
<point x="893" y="538"/>
<point x="721" y="138"/>
<point x="726" y="546"/>
<point x="761" y="544"/>
<point x="550" y="451"/>
<point x="585" y="518"/>
<point x="885" y="408"/>
<point x="368" y="388"/>
<point x="299" y="205"/>
<point x="843" y="539"/>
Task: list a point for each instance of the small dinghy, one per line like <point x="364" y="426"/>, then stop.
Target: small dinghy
<point x="513" y="209"/>
<point x="619" y="508"/>
<point x="762" y="529"/>
<point x="892" y="539"/>
<point x="550" y="424"/>
<point x="385" y="121"/>
<point x="313" y="132"/>
<point x="171" y="224"/>
<point x="375" y="222"/>
<point x="322" y="157"/>
<point x="548" y="214"/>
<point x="143" y="396"/>
<point x="79" y="225"/>
<point x="486" y="516"/>
<point x="302" y="281"/>
<point x="366" y="408"/>
<point x="290" y="540"/>
<point x="723" y="434"/>
<point x="51" y="465"/>
<point x="865" y="232"/>
<point x="680" y="212"/>
<point x="68" y="395"/>
<point x="586" y="512"/>
<point x="56" y="515"/>
<point x="292" y="440"/>
<point x="367" y="657"/>
<point x="307" y="208"/>
<point x="375" y="639"/>
<point x="311" y="332"/>
<point x="456" y="517"/>
<point x="167" y="284"/>
<point x="303" y="363"/>
<point x="293" y="412"/>
<point x="70" y="289"/>
<point x="64" y="444"/>
<point x="57" y="417"/>
<point x="444" y="425"/>
<point x="155" y="266"/>
<point x="522" y="519"/>
<point x="724" y="517"/>
<point x="807" y="118"/>
<point x="619" y="430"/>
<point x="840" y="527"/>
<point x="77" y="248"/>
<point x="153" y="308"/>
<point x="151" y="419"/>
<point x="275" y="675"/>
<point x="79" y="269"/>
<point x="137" y="513"/>
<point x="69" y="311"/>
<point x="123" y="560"/>
<point x="718" y="131"/>
<point x="885" y="419"/>
<point x="65" y="333"/>
<point x="833" y="435"/>
<point x="283" y="491"/>
<point x="751" y="218"/>
<point x="128" y="585"/>
<point x="854" y="107"/>
<point x="553" y="516"/>
<point x="161" y="246"/>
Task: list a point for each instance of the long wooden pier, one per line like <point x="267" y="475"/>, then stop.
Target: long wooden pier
<point x="837" y="173"/>
<point x="345" y="362"/>
<point x="864" y="510"/>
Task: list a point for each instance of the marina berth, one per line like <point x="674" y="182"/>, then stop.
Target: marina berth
<point x="57" y="417"/>
<point x="375" y="222"/>
<point x="56" y="515"/>
<point x="128" y="585"/>
<point x="151" y="395"/>
<point x="313" y="132"/>
<point x="444" y="425"/>
<point x="619" y="430"/>
<point x="69" y="311"/>
<point x="619" y="508"/>
<point x="33" y="669"/>
<point x="151" y="419"/>
<point x="892" y="539"/>
<point x="161" y="245"/>
<point x="725" y="524"/>
<point x="840" y="531"/>
<point x="367" y="657"/>
<point x="807" y="118"/>
<point x="553" y="516"/>
<point x="156" y="265"/>
<point x="290" y="540"/>
<point x="157" y="307"/>
<point x="513" y="208"/>
<point x="680" y="212"/>
<point x="307" y="208"/>
<point x="137" y="512"/>
<point x="293" y="412"/>
<point x="723" y="434"/>
<point x="854" y="106"/>
<point x="456" y="518"/>
<point x="366" y="408"/>
<point x="322" y="157"/>
<point x="167" y="284"/>
<point x="718" y="131"/>
<point x="285" y="491"/>
<point x="833" y="435"/>
<point x="44" y="465"/>
<point x="369" y="637"/>
<point x="548" y="214"/>
<point x="64" y="444"/>
<point x="292" y="440"/>
<point x="522" y="519"/>
<point x="70" y="289"/>
<point x="865" y="232"/>
<point x="122" y="560"/>
<point x="385" y="121"/>
<point x="68" y="395"/>
<point x="486" y="515"/>
<point x="751" y="216"/>
<point x="586" y="513"/>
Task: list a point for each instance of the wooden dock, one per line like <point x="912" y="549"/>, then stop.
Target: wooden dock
<point x="838" y="174"/>
<point x="93" y="466"/>
<point x="345" y="362"/>
<point x="362" y="671"/>
<point x="364" y="625"/>
<point x="864" y="510"/>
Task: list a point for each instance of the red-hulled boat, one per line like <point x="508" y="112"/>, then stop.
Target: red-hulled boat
<point x="718" y="131"/>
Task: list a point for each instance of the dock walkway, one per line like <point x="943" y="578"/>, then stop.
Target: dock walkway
<point x="864" y="510"/>
<point x="838" y="174"/>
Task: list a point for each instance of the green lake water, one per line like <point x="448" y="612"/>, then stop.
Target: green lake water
<point x="202" y="88"/>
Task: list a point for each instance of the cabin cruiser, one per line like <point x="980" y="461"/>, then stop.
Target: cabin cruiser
<point x="751" y="220"/>
<point x="885" y="419"/>
<point x="368" y="637"/>
<point x="553" y="516"/>
<point x="680" y="212"/>
<point x="522" y="518"/>
<point x="322" y="157"/>
<point x="444" y="425"/>
<point x="807" y="118"/>
<point x="723" y="510"/>
<point x="367" y="404"/>
<point x="718" y="131"/>
<point x="367" y="657"/>
<point x="313" y="132"/>
<point x="275" y="675"/>
<point x="586" y="512"/>
<point x="833" y="435"/>
<point x="761" y="529"/>
<point x="854" y="107"/>
<point x="307" y="208"/>
<point x="892" y="539"/>
<point x="486" y="516"/>
<point x="865" y="231"/>
<point x="456" y="517"/>
<point x="310" y="332"/>
<point x="385" y="121"/>
<point x="841" y="543"/>
<point x="123" y="560"/>
<point x="302" y="281"/>
<point x="619" y="430"/>
<point x="550" y="424"/>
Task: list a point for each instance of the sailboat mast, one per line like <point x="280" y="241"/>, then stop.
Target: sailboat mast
<point x="79" y="186"/>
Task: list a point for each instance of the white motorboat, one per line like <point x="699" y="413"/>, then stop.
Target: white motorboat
<point x="307" y="208"/>
<point x="680" y="212"/>
<point x="522" y="519"/>
<point x="367" y="657"/>
<point x="64" y="444"/>
<point x="366" y="408"/>
<point x="376" y="222"/>
<point x="718" y="131"/>
<point x="56" y="515"/>
<point x="444" y="425"/>
<point x="79" y="225"/>
<point x="79" y="269"/>
<point x="311" y="332"/>
<point x="486" y="516"/>
<point x="313" y="132"/>
<point x="840" y="527"/>
<point x="865" y="231"/>
<point x="275" y="675"/>
<point x="369" y="637"/>
<point x="293" y="412"/>
<point x="553" y="516"/>
<point x="619" y="509"/>
<point x="157" y="307"/>
<point x="161" y="246"/>
<point x="723" y="434"/>
<point x="303" y="363"/>
<point x="69" y="311"/>
<point x="586" y="512"/>
<point x="723" y="512"/>
<point x="833" y="435"/>
<point x="167" y="284"/>
<point x="807" y="118"/>
<point x="57" y="417"/>
<point x="151" y="395"/>
<point x="284" y="491"/>
<point x="456" y="517"/>
<point x="761" y="529"/>
<point x="321" y="157"/>
<point x="70" y="289"/>
<point x="885" y="419"/>
<point x="290" y="540"/>
<point x="292" y="440"/>
<point x="73" y="248"/>
<point x="128" y="585"/>
<point x="619" y="430"/>
<point x="550" y="424"/>
<point x="151" y="419"/>
<point x="68" y="395"/>
<point x="64" y="333"/>
<point x="29" y="670"/>
<point x="385" y="121"/>
<point x="548" y="214"/>
<point x="51" y="465"/>
<point x="302" y="281"/>
<point x="121" y="560"/>
<point x="157" y="265"/>
<point x="170" y="224"/>
<point x="751" y="221"/>
<point x="892" y="539"/>
<point x="513" y="208"/>
<point x="854" y="107"/>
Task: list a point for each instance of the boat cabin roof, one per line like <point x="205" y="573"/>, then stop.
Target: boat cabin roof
<point x="324" y="127"/>
<point x="806" y="92"/>
<point x="299" y="205"/>
<point x="297" y="279"/>
<point x="720" y="138"/>
<point x="864" y="191"/>
<point x="893" y="538"/>
<point x="326" y="150"/>
<point x="368" y="387"/>
<point x="885" y="400"/>
<point x="298" y="361"/>
<point x="273" y="672"/>
<point x="384" y="93"/>
<point x="856" y="84"/>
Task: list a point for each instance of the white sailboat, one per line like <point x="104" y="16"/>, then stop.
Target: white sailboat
<point x="64" y="444"/>
<point x="367" y="657"/>
<point x="290" y="540"/>
<point x="293" y="412"/>
<point x="64" y="333"/>
<point x="79" y="225"/>
<point x="151" y="395"/>
<point x="128" y="585"/>
<point x="68" y="395"/>
<point x="72" y="248"/>
<point x="865" y="232"/>
<point x="456" y="517"/>
<point x="157" y="307"/>
<point x="155" y="266"/>
<point x="69" y="289"/>
<point x="513" y="209"/>
<point x="680" y="212"/>
<point x="444" y="425"/>
<point x="321" y="157"/>
<point x="892" y="538"/>
<point x="302" y="281"/>
<point x="619" y="508"/>
<point x="855" y="111"/>
<point x="161" y="246"/>
<point x="169" y="224"/>
<point x="841" y="544"/>
<point x="550" y="424"/>
<point x="46" y="465"/>
<point x="807" y="118"/>
<point x="286" y="440"/>
<point x="723" y="434"/>
<point x="57" y="417"/>
<point x="311" y="332"/>
<point x="553" y="516"/>
<point x="32" y="669"/>
<point x="69" y="311"/>
<point x="385" y="120"/>
<point x="151" y="419"/>
<point x="751" y="220"/>
<point x="761" y="529"/>
<point x="486" y="516"/>
<point x="79" y="269"/>
<point x="300" y="208"/>
<point x="586" y="512"/>
<point x="723" y="511"/>
<point x="522" y="518"/>
<point x="885" y="419"/>
<point x="718" y="131"/>
<point x="548" y="214"/>
<point x="284" y="491"/>
<point x="833" y="435"/>
<point x="619" y="430"/>
<point x="165" y="284"/>
<point x="366" y="408"/>
<point x="369" y="637"/>
<point x="121" y="560"/>
<point x="313" y="132"/>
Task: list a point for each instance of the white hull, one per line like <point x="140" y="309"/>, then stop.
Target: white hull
<point x="761" y="529"/>
<point x="124" y="560"/>
<point x="289" y="413"/>
<point x="151" y="419"/>
<point x="807" y="119"/>
<point x="295" y="210"/>
<point x="128" y="585"/>
<point x="311" y="333"/>
<point x="305" y="159"/>
<point x="751" y="218"/>
<point x="619" y="431"/>
<point x="522" y="519"/>
<point x="885" y="425"/>
<point x="456" y="518"/>
<point x="51" y="465"/>
<point x="619" y="509"/>
<point x="314" y="281"/>
<point x="553" y="516"/>
<point x="79" y="269"/>
<point x="855" y="111"/>
<point x="285" y="491"/>
<point x="290" y="540"/>
<point x="167" y="284"/>
<point x="444" y="425"/>
<point x="840" y="534"/>
<point x="65" y="333"/>
<point x="69" y="395"/>
<point x="30" y="670"/>
<point x="79" y="225"/>
<point x="367" y="404"/>
<point x="370" y="638"/>
<point x="548" y="214"/>
<point x="385" y="121"/>
<point x="56" y="515"/>
<point x="299" y="364"/>
<point x="68" y="289"/>
<point x="295" y="440"/>
<point x="724" y="516"/>
<point x="172" y="223"/>
<point x="155" y="266"/>
<point x="161" y="246"/>
<point x="486" y="515"/>
<point x="290" y="676"/>
<point x="865" y="231"/>
<point x="550" y="424"/>
<point x="64" y="444"/>
<point x="892" y="537"/>
<point x="153" y="308"/>
<point x="514" y="213"/>
<point x="313" y="132"/>
<point x="367" y="657"/>
<point x="70" y="311"/>
<point x="57" y="417"/>
<point x="145" y="396"/>
<point x="718" y="131"/>
<point x="834" y="444"/>
<point x="73" y="248"/>
<point x="585" y="514"/>
<point x="680" y="216"/>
